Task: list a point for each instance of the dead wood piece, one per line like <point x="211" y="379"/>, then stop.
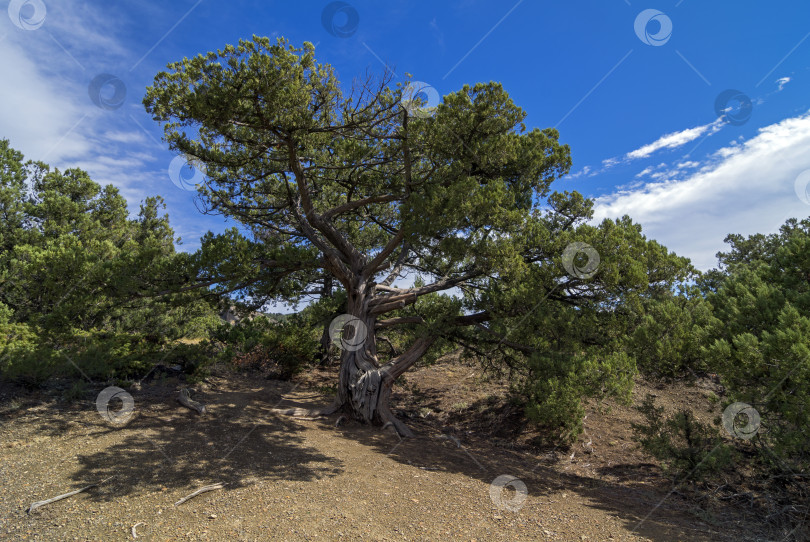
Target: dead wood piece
<point x="38" y="504"/>
<point x="134" y="534"/>
<point x="185" y="399"/>
<point x="205" y="489"/>
<point x="304" y="413"/>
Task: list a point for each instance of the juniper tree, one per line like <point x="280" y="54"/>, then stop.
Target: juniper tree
<point x="370" y="184"/>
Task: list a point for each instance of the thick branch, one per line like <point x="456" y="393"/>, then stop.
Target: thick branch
<point x="351" y="205"/>
<point x="328" y="230"/>
<point x="398" y="321"/>
<point x="397" y="267"/>
<point x="405" y="361"/>
<point x="383" y="304"/>
<point x="373" y="266"/>
<point x="392" y="306"/>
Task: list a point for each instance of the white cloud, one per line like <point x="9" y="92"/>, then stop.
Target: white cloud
<point x="45" y="110"/>
<point x="609" y="162"/>
<point x="437" y="33"/>
<point x="781" y="82"/>
<point x="36" y="115"/>
<point x="580" y="173"/>
<point x="668" y="141"/>
<point x="745" y="188"/>
<point x="125" y="137"/>
<point x="675" y="140"/>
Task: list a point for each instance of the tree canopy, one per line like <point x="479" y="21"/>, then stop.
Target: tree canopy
<point x="368" y="185"/>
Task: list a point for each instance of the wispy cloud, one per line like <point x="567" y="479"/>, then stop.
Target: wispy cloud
<point x="781" y="82"/>
<point x="668" y="141"/>
<point x="675" y="140"/>
<point x="581" y="173"/>
<point x="45" y="109"/>
<point x="746" y="187"/>
<point x="47" y="113"/>
<point x="437" y="33"/>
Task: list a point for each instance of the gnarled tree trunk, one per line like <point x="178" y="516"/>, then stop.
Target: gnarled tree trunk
<point x="365" y="386"/>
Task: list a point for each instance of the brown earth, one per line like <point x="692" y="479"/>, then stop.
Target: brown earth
<point x="293" y="479"/>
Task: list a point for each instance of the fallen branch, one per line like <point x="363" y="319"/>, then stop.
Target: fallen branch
<point x="38" y="504"/>
<point x="134" y="534"/>
<point x="185" y="399"/>
<point x="205" y="489"/>
<point x="300" y="413"/>
<point x="308" y="414"/>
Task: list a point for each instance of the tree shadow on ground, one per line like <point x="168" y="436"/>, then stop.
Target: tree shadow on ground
<point x="239" y="442"/>
<point x="640" y="501"/>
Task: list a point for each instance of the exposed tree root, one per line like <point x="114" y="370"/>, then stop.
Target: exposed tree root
<point x="185" y="399"/>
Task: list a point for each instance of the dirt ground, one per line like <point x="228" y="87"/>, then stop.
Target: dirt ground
<point x="293" y="479"/>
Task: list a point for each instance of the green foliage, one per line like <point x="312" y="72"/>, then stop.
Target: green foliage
<point x="23" y="357"/>
<point x="354" y="185"/>
<point x="689" y="450"/>
<point x="670" y="332"/>
<point x="556" y="384"/>
<point x="280" y="348"/>
<point x="81" y="283"/>
<point x="77" y="391"/>
<point x="760" y="336"/>
<point x="756" y="336"/>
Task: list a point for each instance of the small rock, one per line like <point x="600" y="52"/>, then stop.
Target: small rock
<point x="212" y="516"/>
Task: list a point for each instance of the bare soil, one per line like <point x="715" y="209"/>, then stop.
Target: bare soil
<point x="293" y="479"/>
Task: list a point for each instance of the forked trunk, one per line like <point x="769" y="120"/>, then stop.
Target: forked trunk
<point x="364" y="387"/>
<point x="364" y="391"/>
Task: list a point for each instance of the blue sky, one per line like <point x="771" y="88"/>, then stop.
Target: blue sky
<point x="632" y="86"/>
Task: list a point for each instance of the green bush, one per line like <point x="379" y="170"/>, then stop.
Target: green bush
<point x="280" y="348"/>
<point x="291" y="345"/>
<point x="24" y="358"/>
<point x="688" y="449"/>
<point x="668" y="336"/>
<point x="28" y="358"/>
<point x="760" y="338"/>
<point x="555" y="401"/>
